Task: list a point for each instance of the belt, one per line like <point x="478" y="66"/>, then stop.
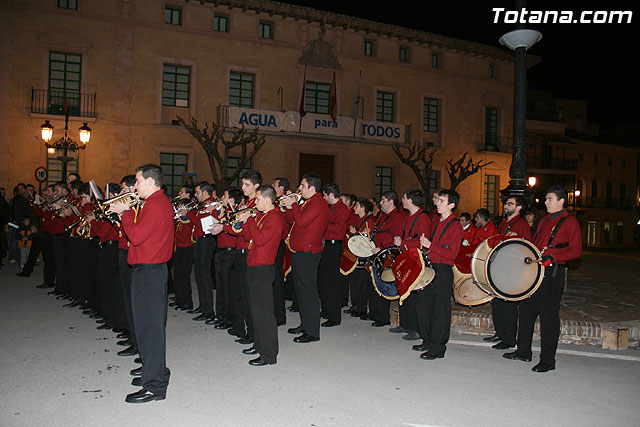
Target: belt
<point x="108" y="243"/>
<point x="204" y="237"/>
<point x="243" y="251"/>
<point x="333" y="241"/>
<point x="226" y="249"/>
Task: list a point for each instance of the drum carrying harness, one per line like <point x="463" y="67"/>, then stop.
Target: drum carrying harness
<point x="554" y="232"/>
<point x="441" y="234"/>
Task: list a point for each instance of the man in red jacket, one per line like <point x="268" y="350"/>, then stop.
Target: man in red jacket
<point x="264" y="233"/>
<point x="150" y="232"/>
<point x="560" y="240"/>
<point x="505" y="313"/>
<point x="329" y="280"/>
<point x="486" y="228"/>
<point x="309" y="222"/>
<point x="433" y="305"/>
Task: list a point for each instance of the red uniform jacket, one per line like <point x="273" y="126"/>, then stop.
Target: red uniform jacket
<point x="415" y="226"/>
<point x="388" y="226"/>
<point x="264" y="234"/>
<point x="241" y="241"/>
<point x="338" y="221"/>
<point x="517" y="226"/>
<point x="226" y="240"/>
<point x="195" y="216"/>
<point x="444" y="248"/>
<point x="569" y="234"/>
<point x="46" y="216"/>
<point x="309" y="223"/>
<point x="485" y="232"/>
<point x="150" y="232"/>
<point x="184" y="234"/>
<point x="106" y="231"/>
<point x="366" y="222"/>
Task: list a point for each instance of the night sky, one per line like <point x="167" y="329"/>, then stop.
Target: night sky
<point x="583" y="61"/>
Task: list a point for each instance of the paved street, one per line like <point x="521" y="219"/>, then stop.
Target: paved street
<point x="58" y="370"/>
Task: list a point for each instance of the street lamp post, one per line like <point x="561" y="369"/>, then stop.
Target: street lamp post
<point x="519" y="41"/>
<point x="65" y="143"/>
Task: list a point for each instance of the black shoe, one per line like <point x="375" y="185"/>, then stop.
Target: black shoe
<point x="101" y="320"/>
<point x="136" y="372"/>
<point x="143" y="396"/>
<point x="355" y="313"/>
<point x="23" y="274"/>
<point x="96" y="316"/>
<point x="124" y="343"/>
<point x="129" y="351"/>
<point x="184" y="307"/>
<point x="304" y="338"/>
<point x="411" y="336"/>
<point x="281" y="323"/>
<point x="430" y="356"/>
<point x="202" y="317"/>
<point x="251" y="350"/>
<point x="420" y="347"/>
<point x="54" y="292"/>
<point x="245" y="340"/>
<point x="379" y="324"/>
<point x="171" y="304"/>
<point x="89" y="312"/>
<point x="297" y="330"/>
<point x="259" y="362"/>
<point x="72" y="304"/>
<point x="232" y="332"/>
<point x="104" y="326"/>
<point x="502" y="346"/>
<point x="137" y="381"/>
<point x="194" y="311"/>
<point x="397" y="330"/>
<point x="364" y="316"/>
<point x="349" y="310"/>
<point x="44" y="286"/>
<point x="329" y="323"/>
<point x="514" y="355"/>
<point x="213" y="321"/>
<point x="543" y="367"/>
<point x="122" y="335"/>
<point x="494" y="338"/>
<point x="223" y="325"/>
<point x="137" y="360"/>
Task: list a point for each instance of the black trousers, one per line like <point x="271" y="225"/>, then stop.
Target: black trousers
<point x="260" y="293"/>
<point x="305" y="278"/>
<point x="242" y="314"/>
<point x="42" y="242"/>
<point x="61" y="249"/>
<point x="203" y="257"/>
<point x="378" y="306"/>
<point x="108" y="282"/>
<point x="278" y="286"/>
<point x="182" y="265"/>
<point x="407" y="312"/>
<point x="125" y="283"/>
<point x="360" y="282"/>
<point x="77" y="259"/>
<point x="149" y="307"/>
<point x="433" y="310"/>
<point x="224" y="270"/>
<point x="344" y="284"/>
<point x="505" y="319"/>
<point x="329" y="283"/>
<point x="546" y="303"/>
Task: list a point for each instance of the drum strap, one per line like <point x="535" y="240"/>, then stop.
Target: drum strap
<point x="443" y="231"/>
<point x="554" y="232"/>
<point x="363" y="222"/>
<point x="376" y="229"/>
<point x="411" y="228"/>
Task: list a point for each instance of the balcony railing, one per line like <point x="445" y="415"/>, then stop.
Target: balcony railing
<point x="552" y="164"/>
<point x="603" y="203"/>
<point x="494" y="143"/>
<point x="53" y="101"/>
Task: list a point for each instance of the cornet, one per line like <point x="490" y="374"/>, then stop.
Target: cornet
<point x="297" y="197"/>
<point x="132" y="199"/>
<point x="231" y="218"/>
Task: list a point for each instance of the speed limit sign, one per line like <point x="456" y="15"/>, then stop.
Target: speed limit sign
<point x="41" y="174"/>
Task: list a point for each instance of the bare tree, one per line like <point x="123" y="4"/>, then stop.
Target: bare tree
<point x="418" y="156"/>
<point x="459" y="171"/>
<point x="218" y="148"/>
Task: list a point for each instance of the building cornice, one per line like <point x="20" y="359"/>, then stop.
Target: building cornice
<point x="302" y="13"/>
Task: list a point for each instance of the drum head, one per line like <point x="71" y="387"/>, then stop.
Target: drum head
<point x="360" y="246"/>
<point x="387" y="275"/>
<point x="467" y="293"/>
<point x="427" y="277"/>
<point x="510" y="270"/>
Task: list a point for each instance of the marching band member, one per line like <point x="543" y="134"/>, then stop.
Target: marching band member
<point x="204" y="247"/>
<point x="560" y="240"/>
<point x="433" y="304"/>
<point x="434" y="213"/>
<point x="486" y="228"/>
<point x="416" y="224"/>
<point x="183" y="255"/>
<point x="264" y="233"/>
<point x="309" y="222"/>
<point x="505" y="313"/>
<point x="281" y="185"/>
<point x="389" y="224"/>
<point x="329" y="277"/>
<point x="360" y="280"/>
<point x="150" y="232"/>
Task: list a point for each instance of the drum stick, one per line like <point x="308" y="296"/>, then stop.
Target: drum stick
<point x="366" y="239"/>
<point x="529" y="260"/>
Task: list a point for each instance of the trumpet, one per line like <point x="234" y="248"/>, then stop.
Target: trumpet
<point x="297" y="197"/>
<point x="58" y="211"/>
<point x="231" y="218"/>
<point x="202" y="207"/>
<point x="132" y="199"/>
<point x="47" y="205"/>
<point x="180" y="205"/>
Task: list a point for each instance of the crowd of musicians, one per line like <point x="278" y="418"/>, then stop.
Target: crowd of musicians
<point x="117" y="252"/>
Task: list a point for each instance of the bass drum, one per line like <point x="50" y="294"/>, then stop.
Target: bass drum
<point x="507" y="267"/>
<point x="466" y="292"/>
<point x="361" y="246"/>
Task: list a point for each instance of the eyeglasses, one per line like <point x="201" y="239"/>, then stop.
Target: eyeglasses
<point x="509" y="204"/>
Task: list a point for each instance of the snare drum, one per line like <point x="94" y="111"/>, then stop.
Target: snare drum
<point x="361" y="246"/>
<point x="412" y="271"/>
<point x="466" y="292"/>
<point x="507" y="267"/>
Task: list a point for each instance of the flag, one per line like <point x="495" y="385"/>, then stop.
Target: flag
<point x="304" y="88"/>
<point x="332" y="105"/>
<point x="356" y="101"/>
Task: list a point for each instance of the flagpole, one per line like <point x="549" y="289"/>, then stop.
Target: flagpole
<point x="301" y="110"/>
